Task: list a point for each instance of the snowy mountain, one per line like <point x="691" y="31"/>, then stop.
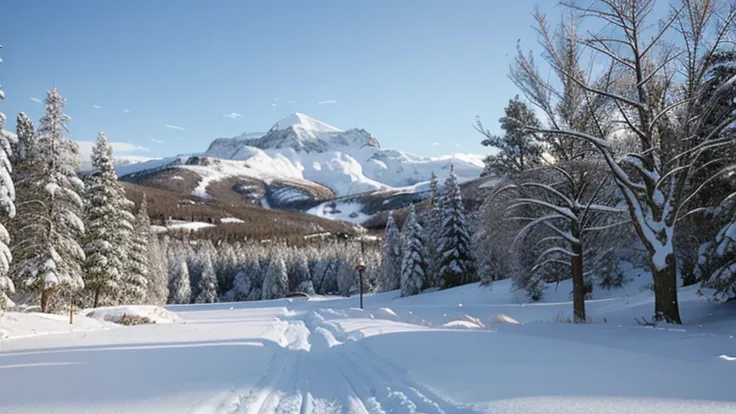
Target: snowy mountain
<point x="303" y="164"/>
<point x="347" y="161"/>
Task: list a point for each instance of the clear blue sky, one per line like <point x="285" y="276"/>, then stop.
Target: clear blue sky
<point x="412" y="72"/>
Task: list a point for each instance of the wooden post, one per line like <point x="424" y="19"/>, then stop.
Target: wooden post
<point x="71" y="307"/>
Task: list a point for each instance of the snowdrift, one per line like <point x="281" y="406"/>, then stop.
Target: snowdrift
<point x="114" y="314"/>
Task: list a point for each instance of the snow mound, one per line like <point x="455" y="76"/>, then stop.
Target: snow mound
<point x="501" y="318"/>
<point x="114" y="314"/>
<point x="15" y="325"/>
<point x="462" y="324"/>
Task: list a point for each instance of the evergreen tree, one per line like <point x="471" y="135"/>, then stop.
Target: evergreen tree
<point x="299" y="271"/>
<point x="241" y="287"/>
<point x="347" y="275"/>
<point x="7" y="209"/>
<point x="717" y="262"/>
<point x="414" y="266"/>
<point x="518" y="149"/>
<point x="108" y="233"/>
<point x="180" y="291"/>
<point x="158" y="276"/>
<point x="49" y="259"/>
<point x="139" y="271"/>
<point x="276" y="281"/>
<point x="22" y="171"/>
<point x="391" y="256"/>
<point x="207" y="289"/>
<point x="456" y="263"/>
<point x="432" y="230"/>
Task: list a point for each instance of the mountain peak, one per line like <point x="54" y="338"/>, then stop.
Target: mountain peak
<point x="304" y="121"/>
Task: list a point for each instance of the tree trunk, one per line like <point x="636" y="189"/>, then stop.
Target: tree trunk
<point x="97" y="297"/>
<point x="666" y="308"/>
<point x="578" y="285"/>
<point x="45" y="294"/>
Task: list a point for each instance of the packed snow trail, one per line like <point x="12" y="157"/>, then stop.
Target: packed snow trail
<point x="321" y="369"/>
<point x="439" y="352"/>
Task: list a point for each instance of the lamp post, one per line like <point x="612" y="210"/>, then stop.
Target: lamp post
<point x="360" y="267"/>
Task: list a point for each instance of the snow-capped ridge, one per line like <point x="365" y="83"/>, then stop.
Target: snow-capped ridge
<point x="305" y="122"/>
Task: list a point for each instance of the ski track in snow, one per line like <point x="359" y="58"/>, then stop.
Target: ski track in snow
<point x="321" y="369"/>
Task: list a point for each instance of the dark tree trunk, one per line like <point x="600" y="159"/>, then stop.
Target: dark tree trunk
<point x="45" y="296"/>
<point x="578" y="285"/>
<point x="97" y="297"/>
<point x="666" y="308"/>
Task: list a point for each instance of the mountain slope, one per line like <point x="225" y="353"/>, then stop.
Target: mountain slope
<point x="348" y="162"/>
<point x="302" y="164"/>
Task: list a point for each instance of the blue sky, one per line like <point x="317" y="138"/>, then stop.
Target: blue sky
<point x="162" y="74"/>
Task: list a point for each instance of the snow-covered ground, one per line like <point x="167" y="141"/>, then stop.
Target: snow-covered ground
<point x="454" y="351"/>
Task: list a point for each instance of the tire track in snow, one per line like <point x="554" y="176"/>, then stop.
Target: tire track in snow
<point x="320" y="369"/>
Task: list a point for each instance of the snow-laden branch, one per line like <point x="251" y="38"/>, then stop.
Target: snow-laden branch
<point x="569" y="202"/>
<point x="605" y="227"/>
<point x="557" y="250"/>
<point x="564" y="234"/>
<point x="531" y="201"/>
<point x="531" y="224"/>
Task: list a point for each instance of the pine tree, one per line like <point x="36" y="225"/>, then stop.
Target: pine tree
<point x="414" y="265"/>
<point x="7" y="207"/>
<point x="518" y="149"/>
<point x="432" y="230"/>
<point x="49" y="258"/>
<point x="180" y="291"/>
<point x="347" y="275"/>
<point x="158" y="276"/>
<point x="139" y="270"/>
<point x="276" y="281"/>
<point x="207" y="289"/>
<point x="456" y="263"/>
<point x="241" y="287"/>
<point x="108" y="232"/>
<point x="299" y="271"/>
<point x="391" y="256"/>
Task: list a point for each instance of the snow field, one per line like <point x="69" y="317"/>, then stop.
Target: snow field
<point x="470" y="349"/>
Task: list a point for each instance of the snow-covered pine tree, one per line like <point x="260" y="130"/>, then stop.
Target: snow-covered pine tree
<point x="7" y="197"/>
<point x="207" y="289"/>
<point x="299" y="272"/>
<point x="241" y="287"/>
<point x="180" y="291"/>
<point x="158" y="275"/>
<point x="717" y="262"/>
<point x="108" y="233"/>
<point x="347" y="275"/>
<point x="432" y="231"/>
<point x="519" y="149"/>
<point x="414" y="264"/>
<point x="456" y="262"/>
<point x="24" y="190"/>
<point x="276" y="281"/>
<point x="391" y="256"/>
<point x="49" y="259"/>
<point x="139" y="268"/>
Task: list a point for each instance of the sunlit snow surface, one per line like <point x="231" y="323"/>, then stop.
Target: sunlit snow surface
<point x="466" y="350"/>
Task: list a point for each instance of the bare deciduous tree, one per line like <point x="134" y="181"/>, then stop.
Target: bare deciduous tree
<point x="656" y="85"/>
